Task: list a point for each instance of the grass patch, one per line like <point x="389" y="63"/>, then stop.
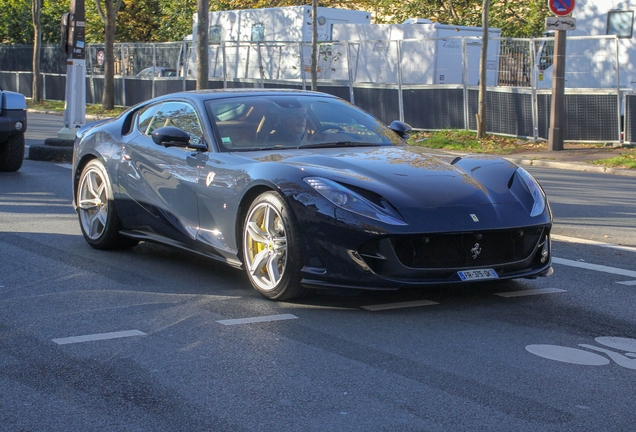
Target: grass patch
<point x="58" y="106"/>
<point x="625" y="160"/>
<point x="466" y="141"/>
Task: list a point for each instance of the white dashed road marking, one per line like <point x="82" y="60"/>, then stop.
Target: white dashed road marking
<point x="260" y="319"/>
<point x="100" y="336"/>
<point x="530" y="292"/>
<point x="591" y="242"/>
<point x="401" y="305"/>
<point x="628" y="283"/>
<point x="595" y="267"/>
<point x="68" y="166"/>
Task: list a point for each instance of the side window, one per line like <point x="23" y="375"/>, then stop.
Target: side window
<point x="181" y="115"/>
<point x="145" y="116"/>
<point x="215" y="35"/>
<point x="620" y="23"/>
<point x="258" y="32"/>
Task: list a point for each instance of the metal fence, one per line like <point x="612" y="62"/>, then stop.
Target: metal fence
<point x="429" y="83"/>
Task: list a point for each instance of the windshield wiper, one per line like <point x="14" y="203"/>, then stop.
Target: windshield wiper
<point x="338" y="144"/>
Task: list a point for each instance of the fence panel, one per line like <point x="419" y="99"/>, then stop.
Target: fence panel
<point x="592" y="62"/>
<point x="432" y="82"/>
<point x="630" y="118"/>
<point x="589" y="117"/>
<point x="508" y="112"/>
<point x="515" y="62"/>
<point x="434" y="109"/>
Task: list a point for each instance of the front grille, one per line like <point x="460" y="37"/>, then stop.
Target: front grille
<point x="472" y="249"/>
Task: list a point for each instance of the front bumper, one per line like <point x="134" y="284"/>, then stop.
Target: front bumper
<point x="396" y="261"/>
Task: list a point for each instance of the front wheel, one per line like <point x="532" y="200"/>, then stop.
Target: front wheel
<point x="96" y="210"/>
<point x="12" y="153"/>
<point x="271" y="248"/>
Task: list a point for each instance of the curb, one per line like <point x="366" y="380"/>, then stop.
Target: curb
<point x="50" y="154"/>
<point x="53" y="150"/>
<point x="573" y="166"/>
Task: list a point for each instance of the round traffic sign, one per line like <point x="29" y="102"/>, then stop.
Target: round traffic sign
<point x="561" y="7"/>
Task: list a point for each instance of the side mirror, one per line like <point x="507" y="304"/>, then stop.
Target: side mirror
<point x="401" y="128"/>
<point x="170" y="136"/>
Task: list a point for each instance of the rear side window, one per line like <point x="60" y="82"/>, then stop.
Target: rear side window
<point x="145" y="116"/>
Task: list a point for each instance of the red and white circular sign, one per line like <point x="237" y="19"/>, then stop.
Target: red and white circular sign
<point x="561" y="7"/>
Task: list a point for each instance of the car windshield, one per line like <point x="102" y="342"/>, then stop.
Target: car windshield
<point x="294" y="121"/>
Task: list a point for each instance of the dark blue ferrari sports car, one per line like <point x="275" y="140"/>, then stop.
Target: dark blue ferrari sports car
<point x="304" y="190"/>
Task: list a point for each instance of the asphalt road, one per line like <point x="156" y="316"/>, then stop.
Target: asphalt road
<point x="157" y="339"/>
<point x="41" y="127"/>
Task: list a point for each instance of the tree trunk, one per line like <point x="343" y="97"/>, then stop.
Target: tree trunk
<point x="314" y="45"/>
<point x="109" y="18"/>
<point x="203" y="63"/>
<point x="481" y="115"/>
<point x="36" y="92"/>
<point x="108" y="97"/>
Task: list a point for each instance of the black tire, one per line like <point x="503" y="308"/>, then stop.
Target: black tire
<point x="271" y="248"/>
<point x="97" y="212"/>
<point x="12" y="153"/>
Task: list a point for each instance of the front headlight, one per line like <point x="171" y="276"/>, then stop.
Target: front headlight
<point x="354" y="202"/>
<point x="535" y="190"/>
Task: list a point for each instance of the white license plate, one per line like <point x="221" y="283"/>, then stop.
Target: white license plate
<point x="468" y="275"/>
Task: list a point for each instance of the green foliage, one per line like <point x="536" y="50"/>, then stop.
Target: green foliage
<point x="171" y="20"/>
<point x="514" y="18"/>
<point x="15" y="26"/>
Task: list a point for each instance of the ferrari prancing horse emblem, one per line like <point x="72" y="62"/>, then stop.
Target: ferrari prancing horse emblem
<point x="474" y="216"/>
<point x="476" y="250"/>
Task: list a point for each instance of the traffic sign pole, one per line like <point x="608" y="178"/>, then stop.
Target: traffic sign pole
<point x="557" y="112"/>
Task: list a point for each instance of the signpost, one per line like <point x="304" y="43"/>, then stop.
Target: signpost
<point x="560" y="8"/>
<point x="73" y="33"/>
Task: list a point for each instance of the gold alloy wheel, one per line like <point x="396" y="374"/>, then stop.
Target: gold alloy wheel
<point x="265" y="245"/>
<point x="92" y="200"/>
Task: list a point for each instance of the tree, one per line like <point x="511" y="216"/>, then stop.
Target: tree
<point x="109" y="18"/>
<point x="481" y="114"/>
<point x="36" y="94"/>
<point x="314" y="45"/>
<point x="203" y="65"/>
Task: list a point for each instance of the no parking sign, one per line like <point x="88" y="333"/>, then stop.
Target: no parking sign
<point x="561" y="7"/>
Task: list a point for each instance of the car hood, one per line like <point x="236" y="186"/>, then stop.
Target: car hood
<point x="418" y="182"/>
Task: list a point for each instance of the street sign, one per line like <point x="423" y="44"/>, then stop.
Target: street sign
<point x="561" y="7"/>
<point x="560" y="23"/>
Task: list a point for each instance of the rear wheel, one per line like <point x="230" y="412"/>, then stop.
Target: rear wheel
<point x="12" y="153"/>
<point x="96" y="210"/>
<point x="271" y="248"/>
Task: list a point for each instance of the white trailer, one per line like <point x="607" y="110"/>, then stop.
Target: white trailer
<point x="431" y="53"/>
<point x="258" y="42"/>
<point x="601" y="46"/>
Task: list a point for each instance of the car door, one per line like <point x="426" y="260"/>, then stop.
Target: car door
<point x="160" y="182"/>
